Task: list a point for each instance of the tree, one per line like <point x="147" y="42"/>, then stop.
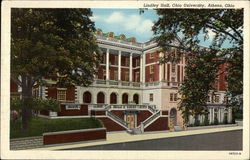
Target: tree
<point x="57" y="43"/>
<point x="225" y="25"/>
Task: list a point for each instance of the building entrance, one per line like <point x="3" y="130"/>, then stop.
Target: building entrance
<point x="130" y="119"/>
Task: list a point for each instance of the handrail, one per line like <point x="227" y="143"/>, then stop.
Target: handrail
<point x="117" y="119"/>
<point x="151" y="118"/>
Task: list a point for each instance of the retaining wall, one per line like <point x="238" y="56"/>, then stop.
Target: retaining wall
<point x="74" y="136"/>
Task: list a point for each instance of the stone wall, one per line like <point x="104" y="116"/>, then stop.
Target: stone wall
<point x="26" y="143"/>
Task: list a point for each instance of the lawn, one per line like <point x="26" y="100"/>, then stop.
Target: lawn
<point x="38" y="126"/>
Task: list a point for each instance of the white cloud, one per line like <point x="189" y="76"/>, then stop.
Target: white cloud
<point x="115" y="17"/>
<point x="120" y="22"/>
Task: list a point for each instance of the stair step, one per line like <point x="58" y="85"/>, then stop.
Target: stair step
<point x="178" y="128"/>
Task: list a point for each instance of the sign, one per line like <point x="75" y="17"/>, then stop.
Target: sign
<point x="72" y="106"/>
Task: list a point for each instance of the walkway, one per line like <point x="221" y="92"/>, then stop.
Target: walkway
<point x="120" y="137"/>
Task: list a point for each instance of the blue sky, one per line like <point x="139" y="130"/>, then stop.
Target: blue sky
<point x="131" y="23"/>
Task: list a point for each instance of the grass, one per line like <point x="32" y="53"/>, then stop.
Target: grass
<point x="38" y="126"/>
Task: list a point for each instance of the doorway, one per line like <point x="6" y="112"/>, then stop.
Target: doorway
<point x="130" y="119"/>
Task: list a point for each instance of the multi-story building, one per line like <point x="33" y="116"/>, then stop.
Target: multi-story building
<point x="132" y="90"/>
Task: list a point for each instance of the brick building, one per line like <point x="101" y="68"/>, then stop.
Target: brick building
<point x="132" y="91"/>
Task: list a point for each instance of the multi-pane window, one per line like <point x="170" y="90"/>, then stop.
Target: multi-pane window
<point x="151" y="55"/>
<point x="151" y="68"/>
<point x="116" y="60"/>
<point x="151" y="79"/>
<point x="137" y="62"/>
<point x="126" y="61"/>
<point x="104" y="74"/>
<point x="61" y="95"/>
<point x="115" y="75"/>
<point x="137" y="76"/>
<point x="173" y="97"/>
<point x="173" y="68"/>
<point x="126" y="76"/>
<point x="225" y="99"/>
<point x="151" y="97"/>
<point x="216" y="98"/>
<point x="172" y="79"/>
<point x="104" y="58"/>
<point x="208" y="99"/>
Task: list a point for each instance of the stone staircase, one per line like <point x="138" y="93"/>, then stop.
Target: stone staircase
<point x="137" y="130"/>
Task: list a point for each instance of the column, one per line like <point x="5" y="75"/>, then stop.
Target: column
<point x="229" y="115"/>
<point x="160" y="68"/>
<point x="119" y="66"/>
<point x="141" y="68"/>
<point x="210" y="115"/>
<point x="213" y="115"/>
<point x="130" y="67"/>
<point x="107" y="64"/>
<point x="219" y="115"/>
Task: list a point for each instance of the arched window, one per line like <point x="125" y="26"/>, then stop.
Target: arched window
<point x="100" y="97"/>
<point x="86" y="97"/>
<point x="113" y="98"/>
<point x="125" y="98"/>
<point x="136" y="98"/>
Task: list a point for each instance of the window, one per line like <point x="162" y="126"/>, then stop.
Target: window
<point x="104" y="58"/>
<point x="151" y="68"/>
<point x="225" y="99"/>
<point x="217" y="98"/>
<point x="137" y="76"/>
<point x="172" y="79"/>
<point x="126" y="61"/>
<point x="116" y="60"/>
<point x="151" y="79"/>
<point x="115" y="75"/>
<point x="151" y="55"/>
<point x="104" y="74"/>
<point x="173" y="97"/>
<point x="126" y="76"/>
<point x="216" y="84"/>
<point x="173" y="68"/>
<point x="151" y="97"/>
<point x="61" y="95"/>
<point x="137" y="62"/>
<point x="208" y="99"/>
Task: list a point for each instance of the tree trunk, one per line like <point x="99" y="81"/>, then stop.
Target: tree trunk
<point x="26" y="105"/>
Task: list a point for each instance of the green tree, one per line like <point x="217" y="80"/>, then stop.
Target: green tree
<point x="191" y="24"/>
<point x="57" y="43"/>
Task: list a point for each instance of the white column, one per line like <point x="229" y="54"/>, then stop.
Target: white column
<point x="107" y="64"/>
<point x="213" y="115"/>
<point x="229" y="115"/>
<point x="119" y="66"/>
<point x="141" y="68"/>
<point x="219" y="115"/>
<point x="210" y="115"/>
<point x="130" y="68"/>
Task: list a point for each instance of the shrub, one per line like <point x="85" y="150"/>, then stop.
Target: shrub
<point x="206" y="121"/>
<point x="39" y="125"/>
<point x="216" y="122"/>
<point x="225" y="119"/>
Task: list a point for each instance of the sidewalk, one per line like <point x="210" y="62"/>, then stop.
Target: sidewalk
<point x="120" y="137"/>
